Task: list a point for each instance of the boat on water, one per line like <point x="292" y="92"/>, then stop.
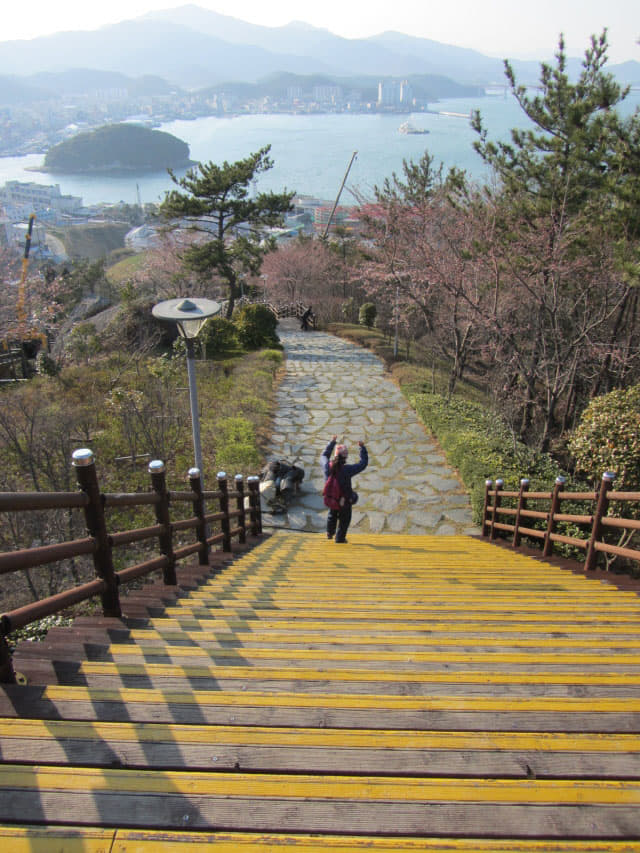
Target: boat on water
<point x="407" y="127"/>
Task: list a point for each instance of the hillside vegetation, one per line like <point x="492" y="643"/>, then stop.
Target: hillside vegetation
<point x="118" y="147"/>
<point x="91" y="241"/>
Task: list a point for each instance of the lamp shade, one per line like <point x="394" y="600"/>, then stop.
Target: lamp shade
<point x="189" y="314"/>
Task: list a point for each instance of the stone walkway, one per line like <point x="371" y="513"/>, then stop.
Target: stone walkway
<point x="334" y="387"/>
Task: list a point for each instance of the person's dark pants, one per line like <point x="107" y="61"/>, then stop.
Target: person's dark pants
<point x="340" y="519"/>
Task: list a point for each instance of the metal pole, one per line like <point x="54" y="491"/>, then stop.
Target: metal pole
<point x="395" y="343"/>
<point x="193" y="402"/>
<point x="335" y="204"/>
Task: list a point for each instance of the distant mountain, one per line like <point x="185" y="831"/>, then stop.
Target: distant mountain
<point x="179" y="54"/>
<point x="79" y="81"/>
<point x="195" y="48"/>
<point x="15" y="91"/>
<point x="83" y="81"/>
<point x="427" y="87"/>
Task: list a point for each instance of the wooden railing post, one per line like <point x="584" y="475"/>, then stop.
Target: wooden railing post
<point x="254" y="503"/>
<point x="159" y="485"/>
<point x="496" y="503"/>
<point x="602" y="505"/>
<point x="198" y="510"/>
<point x="553" y="511"/>
<point x="242" y="519"/>
<point x="84" y="464"/>
<point x="487" y="488"/>
<point x="522" y="504"/>
<point x="224" y="508"/>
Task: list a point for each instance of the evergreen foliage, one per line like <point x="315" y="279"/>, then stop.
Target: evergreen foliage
<point x="219" y="336"/>
<point x="256" y="326"/>
<point x="218" y="203"/>
<point x="116" y="147"/>
<point x="367" y="314"/>
<point x="608" y="438"/>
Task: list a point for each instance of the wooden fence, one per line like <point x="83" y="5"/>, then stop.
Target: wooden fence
<point x="99" y="543"/>
<point x="280" y="310"/>
<point x="597" y="524"/>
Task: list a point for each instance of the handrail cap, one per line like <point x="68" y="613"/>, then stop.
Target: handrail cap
<point x="609" y="476"/>
<point x="560" y="481"/>
<point x="82" y="458"/>
<point x="194" y="473"/>
<point x="156" y="466"/>
<point x="238" y="478"/>
<point x="221" y="475"/>
<point x="499" y="483"/>
<point x="488" y="482"/>
<point x="253" y="479"/>
<point x="524" y="481"/>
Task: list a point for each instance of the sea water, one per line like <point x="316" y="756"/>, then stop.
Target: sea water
<point x="310" y="152"/>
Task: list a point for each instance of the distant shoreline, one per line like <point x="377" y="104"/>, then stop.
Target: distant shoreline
<point x="106" y="171"/>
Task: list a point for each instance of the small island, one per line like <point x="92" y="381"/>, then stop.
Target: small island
<point x="117" y="148"/>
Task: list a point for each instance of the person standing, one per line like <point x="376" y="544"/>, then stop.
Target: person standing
<point x="334" y="461"/>
<point x="307" y="317"/>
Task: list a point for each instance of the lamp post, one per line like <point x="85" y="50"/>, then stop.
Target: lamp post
<point x="190" y="316"/>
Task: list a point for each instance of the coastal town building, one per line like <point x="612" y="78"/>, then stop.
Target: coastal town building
<point x="20" y="199"/>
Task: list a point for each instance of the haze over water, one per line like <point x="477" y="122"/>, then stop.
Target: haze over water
<point x="310" y="152"/>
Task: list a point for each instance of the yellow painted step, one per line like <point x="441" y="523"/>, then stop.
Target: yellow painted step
<point x="264" y="699"/>
<point x="497" y="658"/>
<point x="56" y="839"/>
<point x="328" y="788"/>
<point x="371" y="627"/>
<point x="313" y="737"/>
<point x="149" y="640"/>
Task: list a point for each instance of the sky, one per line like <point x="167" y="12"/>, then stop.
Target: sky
<point x="502" y="28"/>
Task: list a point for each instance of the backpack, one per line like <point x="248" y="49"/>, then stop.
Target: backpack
<point x="332" y="493"/>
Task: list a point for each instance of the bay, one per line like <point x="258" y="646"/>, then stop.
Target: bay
<point x="310" y="152"/>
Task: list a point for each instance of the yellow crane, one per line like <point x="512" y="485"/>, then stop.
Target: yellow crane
<point x="21" y="309"/>
<point x="22" y="335"/>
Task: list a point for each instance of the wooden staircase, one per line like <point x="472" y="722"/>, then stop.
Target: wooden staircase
<point x="395" y="693"/>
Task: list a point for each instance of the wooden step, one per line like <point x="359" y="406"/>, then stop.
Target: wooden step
<point x="312" y="803"/>
<point x="52" y="839"/>
<point x="400" y="693"/>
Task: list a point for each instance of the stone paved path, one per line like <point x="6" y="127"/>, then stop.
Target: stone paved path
<point x="334" y="387"/>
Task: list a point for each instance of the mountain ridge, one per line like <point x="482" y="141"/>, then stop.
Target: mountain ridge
<point x="194" y="47"/>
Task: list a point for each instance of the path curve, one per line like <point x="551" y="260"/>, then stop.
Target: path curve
<point x="335" y="387"/>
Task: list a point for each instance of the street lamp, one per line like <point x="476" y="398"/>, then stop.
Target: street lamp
<point x="189" y="315"/>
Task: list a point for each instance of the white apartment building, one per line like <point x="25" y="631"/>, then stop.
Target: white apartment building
<point x="20" y="199"/>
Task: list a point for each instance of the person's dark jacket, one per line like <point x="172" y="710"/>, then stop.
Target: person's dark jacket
<point x="345" y="471"/>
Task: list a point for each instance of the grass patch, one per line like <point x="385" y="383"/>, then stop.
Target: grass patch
<point x="92" y="241"/>
<point x="123" y="270"/>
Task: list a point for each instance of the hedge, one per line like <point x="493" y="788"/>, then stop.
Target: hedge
<point x="479" y="446"/>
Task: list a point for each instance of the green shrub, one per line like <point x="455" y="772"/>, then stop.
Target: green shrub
<point x="608" y="438"/>
<point x="367" y="314"/>
<point x="274" y="356"/>
<point x="256" y="326"/>
<point x="480" y="446"/>
<point x="218" y="337"/>
<point x="46" y="365"/>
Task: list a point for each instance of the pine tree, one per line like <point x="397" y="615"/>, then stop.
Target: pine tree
<point x="558" y="239"/>
<point x="217" y="202"/>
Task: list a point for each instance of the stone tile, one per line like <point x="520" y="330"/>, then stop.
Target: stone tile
<point x="407" y="487"/>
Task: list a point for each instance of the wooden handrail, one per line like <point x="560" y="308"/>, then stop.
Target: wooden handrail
<point x="596" y="522"/>
<point x="99" y="543"/>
